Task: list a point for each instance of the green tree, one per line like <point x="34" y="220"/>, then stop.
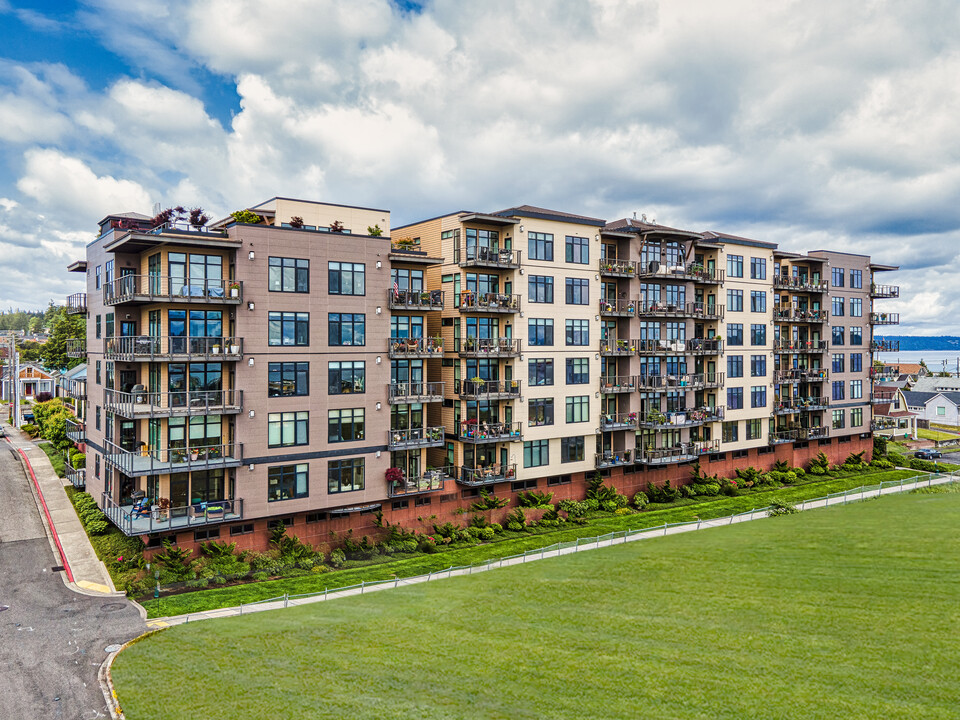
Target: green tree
<point x="63" y="327"/>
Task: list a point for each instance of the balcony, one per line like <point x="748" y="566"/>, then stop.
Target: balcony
<point x="75" y="431"/>
<point x="618" y="421"/>
<point x="618" y="308"/>
<point x="482" y="432"/>
<point x="76" y="389"/>
<point x="694" y="272"/>
<point x="472" y="302"/>
<point x="882" y="395"/>
<point x="415" y="300"/>
<point x="496" y="258"/>
<point x="146" y="348"/>
<point x="683" y="452"/>
<point x="613" y="458"/>
<point x="796" y="315"/>
<point x="800" y="404"/>
<point x="489" y="475"/>
<point x="704" y="346"/>
<point x="77" y="304"/>
<point x="470" y="347"/>
<point x="490" y="389"/>
<point x="161" y="288"/>
<point x="800" y="346"/>
<point x="878" y="292"/>
<point x="422" y="437"/>
<point x="696" y="310"/>
<point x="613" y="384"/>
<point x="163" y="461"/>
<point x="883" y="423"/>
<point x="76" y="347"/>
<point x="887" y="372"/>
<point x="416" y="347"/>
<point x="796" y="375"/>
<point x="694" y="381"/>
<point x="884" y="318"/>
<point x="681" y="418"/>
<point x="146" y="404"/>
<point x="876" y="346"/>
<point x="76" y="476"/>
<point x="611" y="267"/>
<point x="779" y="437"/>
<point x="174" y="518"/>
<point x="617" y="347"/>
<point x="799" y="284"/>
<point x="431" y="481"/>
<point x="417" y="392"/>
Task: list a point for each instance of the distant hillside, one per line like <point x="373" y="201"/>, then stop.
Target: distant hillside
<point x="926" y="342"/>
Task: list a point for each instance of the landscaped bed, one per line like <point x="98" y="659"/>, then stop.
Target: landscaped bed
<point x="839" y="613"/>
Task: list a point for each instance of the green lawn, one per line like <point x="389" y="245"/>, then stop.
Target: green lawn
<point x="681" y="511"/>
<point x="56" y="459"/>
<point x="935" y="434"/>
<point x="848" y="612"/>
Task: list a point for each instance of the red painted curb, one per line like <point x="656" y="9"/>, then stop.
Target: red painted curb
<point x="53" y="530"/>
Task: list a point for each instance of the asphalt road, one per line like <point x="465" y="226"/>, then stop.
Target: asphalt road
<point x="52" y="640"/>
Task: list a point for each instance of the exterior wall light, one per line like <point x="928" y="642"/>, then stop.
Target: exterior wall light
<point x="251" y="255"/>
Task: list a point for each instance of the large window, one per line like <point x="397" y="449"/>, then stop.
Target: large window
<point x="758" y="366"/>
<point x="838" y="419"/>
<point x="837" y="336"/>
<point x="836" y="362"/>
<point x="288" y="328"/>
<point x="578" y="291"/>
<point x="540" y="246"/>
<point x="838" y="389"/>
<point x="734" y="333"/>
<point x="730" y="433"/>
<point x="758" y="268"/>
<point x="578" y="332"/>
<point x="758" y="396"/>
<point x="856" y="278"/>
<point x="836" y="307"/>
<point x="754" y="429"/>
<point x="286" y="429"/>
<point x="540" y="331"/>
<point x="734" y="398"/>
<point x="540" y="289"/>
<point x="346" y="377"/>
<point x="572" y="449"/>
<point x="856" y="389"/>
<point x="856" y="362"/>
<point x="758" y="301"/>
<point x="734" y="366"/>
<point x="734" y="300"/>
<point x="578" y="250"/>
<point x="856" y="414"/>
<point x="347" y="278"/>
<point x="347" y="328"/>
<point x="856" y="336"/>
<point x="285" y="379"/>
<point x="287" y="482"/>
<point x="735" y="266"/>
<point x="288" y="275"/>
<point x="836" y="275"/>
<point x="856" y="307"/>
<point x="536" y="453"/>
<point x="345" y="475"/>
<point x="345" y="425"/>
<point x="578" y="371"/>
<point x="578" y="408"/>
<point x="758" y="334"/>
<point x="540" y="412"/>
<point x="540" y="372"/>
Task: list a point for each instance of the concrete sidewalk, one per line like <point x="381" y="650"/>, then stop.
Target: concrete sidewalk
<point x="90" y="576"/>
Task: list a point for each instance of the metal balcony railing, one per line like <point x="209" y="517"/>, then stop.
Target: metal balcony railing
<point x="681" y="418"/>
<point x="146" y="404"/>
<point x="432" y="480"/>
<point x="783" y="345"/>
<point x="884" y="318"/>
<point x="697" y="310"/>
<point x="614" y="347"/>
<point x="472" y="476"/>
<point x="704" y="346"/>
<point x="75" y="431"/>
<point x="618" y="308"/>
<point x="613" y="458"/>
<point x="884" y="291"/>
<point x="76" y="347"/>
<point x="799" y="284"/>
<point x="794" y="375"/>
<point x="479" y="256"/>
<point x="694" y="272"/>
<point x="611" y="267"/>
<point x="162" y="461"/>
<point x="799" y="404"/>
<point x="683" y="452"/>
<point x="618" y="384"/>
<point x="415" y="300"/>
<point x="490" y="431"/>
<point x="691" y="381"/>
<point x="77" y="304"/>
<point x="798" y="434"/>
<point x="154" y="519"/>
<point x="149" y="348"/>
<point x="490" y="389"/>
<point x="618" y="421"/>
<point x="885" y="346"/>
<point x="76" y="476"/>
<point x="415" y="438"/>
<point x="416" y="347"/>
<point x="163" y="288"/>
<point x="407" y="392"/>
<point x="791" y="314"/>
<point x="487" y="347"/>
<point x="472" y="302"/>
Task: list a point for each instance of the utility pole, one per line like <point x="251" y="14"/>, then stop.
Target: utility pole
<point x="14" y="365"/>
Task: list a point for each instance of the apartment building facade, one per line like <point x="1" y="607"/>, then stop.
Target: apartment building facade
<point x="319" y="367"/>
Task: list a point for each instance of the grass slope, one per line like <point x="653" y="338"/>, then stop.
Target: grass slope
<point x="56" y="459"/>
<point x="846" y="612"/>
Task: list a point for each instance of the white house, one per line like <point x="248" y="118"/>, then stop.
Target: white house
<point x="937" y="407"/>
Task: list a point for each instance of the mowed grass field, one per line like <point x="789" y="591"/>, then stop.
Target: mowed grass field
<point x="848" y="612"/>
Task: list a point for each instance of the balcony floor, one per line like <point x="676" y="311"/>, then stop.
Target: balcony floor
<point x="136" y="465"/>
<point x="147" y="524"/>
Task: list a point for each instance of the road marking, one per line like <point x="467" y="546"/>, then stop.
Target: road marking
<point x="96" y="587"/>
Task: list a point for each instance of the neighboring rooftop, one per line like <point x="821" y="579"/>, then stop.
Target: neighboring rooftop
<point x="544" y="214"/>
<point x="930" y="383"/>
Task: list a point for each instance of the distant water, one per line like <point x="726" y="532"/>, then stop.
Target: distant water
<point x="933" y="358"/>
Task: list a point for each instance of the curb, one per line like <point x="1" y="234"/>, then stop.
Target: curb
<point x="106" y="680"/>
<point x="50" y="526"/>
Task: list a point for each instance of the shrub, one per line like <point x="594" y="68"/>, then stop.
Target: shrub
<point x="487" y="534"/>
<point x="496" y="527"/>
<point x="30" y="429"/>
<point x="730" y="488"/>
<point x="665" y="494"/>
<point x="623" y="511"/>
<point x="855" y="461"/>
<point x="608" y="506"/>
<point x="216" y="549"/>
<point x="640" y="500"/>
<point x="779" y="507"/>
<point x="573" y="508"/>
<point x="338" y="557"/>
<point x="591" y="504"/>
<point x="515" y="527"/>
<point x="488" y="502"/>
<point x="479" y="521"/>
<point x="447" y="530"/>
<point x="919" y="464"/>
<point x="879" y="445"/>
<point x="473" y="531"/>
<point x="427" y="545"/>
<point x="820" y="465"/>
<point x="534" y="499"/>
<point x="516" y="517"/>
<point x="752" y="474"/>
<point x="896" y="458"/>
<point x="175" y="559"/>
<point x="882" y="463"/>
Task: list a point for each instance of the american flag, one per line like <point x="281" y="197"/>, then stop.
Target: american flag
<point x="396" y="289"/>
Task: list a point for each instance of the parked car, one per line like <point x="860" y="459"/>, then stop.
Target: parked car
<point x="928" y="454"/>
<point x="1" y="431"/>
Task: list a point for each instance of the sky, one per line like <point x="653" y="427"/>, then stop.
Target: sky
<point x="815" y="124"/>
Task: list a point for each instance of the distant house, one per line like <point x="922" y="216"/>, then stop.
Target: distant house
<point x="893" y="416"/>
<point x="932" y="383"/>
<point x="937" y="407"/>
<point x="33" y="380"/>
<point x="72" y="386"/>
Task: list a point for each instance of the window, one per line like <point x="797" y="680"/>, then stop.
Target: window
<point x="734" y="300"/>
<point x="286" y="429"/>
<point x="758" y="366"/>
<point x="856" y="362"/>
<point x="578" y="250"/>
<point x="99" y="328"/>
<point x="540" y="246"/>
<point x="523" y="485"/>
<point x="346" y="278"/>
<point x="540" y="372"/>
<point x="555" y="480"/>
<point x="837" y="386"/>
<point x="578" y="332"/>
<point x="837" y="336"/>
<point x="288" y="275"/>
<point x="540" y="331"/>
<point x="758" y="268"/>
<point x="536" y="453"/>
<point x="838" y="419"/>
<point x="856" y="280"/>
<point x="758" y="334"/>
<point x="758" y="301"/>
<point x="276" y="522"/>
<point x="540" y="289"/>
<point x="98" y="280"/>
<point x="572" y="449"/>
<point x="288" y="328"/>
<point x="856" y="307"/>
<point x="941" y="410"/>
<point x="734" y="398"/>
<point x="345" y="425"/>
<point x="734" y="366"/>
<point x="856" y="389"/>
<point x="836" y="275"/>
<point x="578" y="371"/>
<point x="346" y="377"/>
<point x="208" y="534"/>
<point x="836" y="306"/>
<point x="285" y="379"/>
<point x="315" y="517"/>
<point x="730" y="432"/>
<point x="758" y="396"/>
<point x="245" y="529"/>
<point x="734" y="333"/>
<point x="735" y="266"/>
<point x="540" y="412"/>
<point x="345" y="475"/>
<point x="578" y="408"/>
<point x="836" y="362"/>
<point x="856" y="336"/>
<point x="287" y="482"/>
<point x="347" y="328"/>
<point x="856" y="414"/>
<point x="578" y="291"/>
<point x="754" y="429"/>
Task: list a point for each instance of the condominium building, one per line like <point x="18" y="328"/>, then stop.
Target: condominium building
<point x="320" y="367"/>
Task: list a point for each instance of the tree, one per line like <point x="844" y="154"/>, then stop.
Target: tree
<point x="63" y="327"/>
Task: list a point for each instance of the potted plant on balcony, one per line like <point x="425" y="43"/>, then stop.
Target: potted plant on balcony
<point x="394" y="477"/>
<point x="234" y="289"/>
<point x="163" y="508"/>
<point x="215" y="349"/>
<point x="234" y="349"/>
